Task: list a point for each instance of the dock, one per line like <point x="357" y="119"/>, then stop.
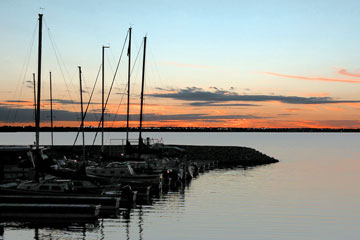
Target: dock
<point x="49" y="211"/>
<point x="107" y="204"/>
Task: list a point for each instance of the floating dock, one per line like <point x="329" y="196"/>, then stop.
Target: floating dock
<point x="107" y="204"/>
<point x="49" y="211"/>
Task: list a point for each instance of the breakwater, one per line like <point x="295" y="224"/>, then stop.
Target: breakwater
<point x="226" y="156"/>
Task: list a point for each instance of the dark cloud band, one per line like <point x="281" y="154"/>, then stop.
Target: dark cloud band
<point x="202" y="97"/>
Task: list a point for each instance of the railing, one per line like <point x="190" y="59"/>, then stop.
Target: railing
<point x="122" y="142"/>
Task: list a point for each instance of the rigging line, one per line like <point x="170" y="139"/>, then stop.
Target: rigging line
<point x="137" y="56"/>
<point x="90" y="95"/>
<point x="61" y="70"/>
<point x="25" y="66"/>
<point x="61" y="59"/>
<point x="117" y="110"/>
<point x="156" y="65"/>
<point x="86" y="87"/>
<point x="110" y="64"/>
<point x="112" y="84"/>
<point x="113" y="60"/>
<point x="149" y="86"/>
<point x="155" y="68"/>
<point x="110" y="60"/>
<point x="87" y="107"/>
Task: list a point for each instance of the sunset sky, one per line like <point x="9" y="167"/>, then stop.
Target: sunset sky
<point x="209" y="63"/>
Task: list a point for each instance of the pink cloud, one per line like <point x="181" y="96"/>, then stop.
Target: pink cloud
<point x="313" y="78"/>
<point x="346" y="73"/>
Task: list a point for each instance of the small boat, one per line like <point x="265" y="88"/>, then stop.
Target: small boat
<point x="67" y="188"/>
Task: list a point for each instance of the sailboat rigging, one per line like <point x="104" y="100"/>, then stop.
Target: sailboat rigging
<point x="128" y="92"/>
<point x="39" y="84"/>
<point x="142" y="96"/>
<point x="51" y="114"/>
<point x="102" y="99"/>
<point x="82" y="117"/>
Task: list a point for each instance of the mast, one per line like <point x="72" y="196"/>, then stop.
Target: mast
<point x="128" y="92"/>
<point x="51" y="114"/>
<point x="39" y="84"/>
<point x="82" y="116"/>
<point x="34" y="82"/>
<point x="102" y="99"/>
<point x="142" y="94"/>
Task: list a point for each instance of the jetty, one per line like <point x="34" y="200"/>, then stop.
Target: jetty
<point x="225" y="156"/>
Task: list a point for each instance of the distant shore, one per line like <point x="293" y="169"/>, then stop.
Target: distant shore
<point x="178" y="129"/>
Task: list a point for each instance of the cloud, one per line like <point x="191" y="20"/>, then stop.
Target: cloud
<point x="62" y="101"/>
<point x="165" y="89"/>
<point x="346" y="73"/>
<point x="340" y="123"/>
<point x="187" y="65"/>
<point x="17" y="101"/>
<point x="313" y="78"/>
<point x="293" y="109"/>
<point x="199" y="95"/>
<point x="66" y="101"/>
<point x="212" y="104"/>
<point x="26" y="115"/>
<point x="200" y="116"/>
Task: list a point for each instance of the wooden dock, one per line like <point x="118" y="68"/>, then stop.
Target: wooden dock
<point x="107" y="204"/>
<point x="49" y="211"/>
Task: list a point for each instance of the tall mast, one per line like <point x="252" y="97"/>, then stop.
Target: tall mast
<point x="51" y="113"/>
<point x="39" y="84"/>
<point x="102" y="98"/>
<point x="142" y="94"/>
<point x="128" y="92"/>
<point x="82" y="116"/>
<point x="34" y="82"/>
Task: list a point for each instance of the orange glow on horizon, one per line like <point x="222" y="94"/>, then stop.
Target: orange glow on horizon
<point x="226" y="123"/>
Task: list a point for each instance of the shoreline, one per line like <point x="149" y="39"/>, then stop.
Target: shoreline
<point x="4" y="129"/>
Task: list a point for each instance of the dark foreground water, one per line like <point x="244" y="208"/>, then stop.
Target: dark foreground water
<point x="312" y="193"/>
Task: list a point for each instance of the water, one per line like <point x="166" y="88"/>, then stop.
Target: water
<point x="311" y="194"/>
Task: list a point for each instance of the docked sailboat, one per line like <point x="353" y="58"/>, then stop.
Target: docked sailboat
<point x="74" y="186"/>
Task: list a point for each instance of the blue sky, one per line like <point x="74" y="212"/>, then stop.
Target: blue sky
<point x="222" y="44"/>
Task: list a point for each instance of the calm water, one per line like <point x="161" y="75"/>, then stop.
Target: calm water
<point x="312" y="193"/>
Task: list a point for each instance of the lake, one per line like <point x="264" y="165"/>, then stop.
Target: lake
<point x="312" y="193"/>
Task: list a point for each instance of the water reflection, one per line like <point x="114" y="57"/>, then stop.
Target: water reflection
<point x="269" y="202"/>
<point x="1" y="232"/>
<point x="126" y="218"/>
<point x="140" y="223"/>
<point x="129" y="223"/>
<point x="50" y="229"/>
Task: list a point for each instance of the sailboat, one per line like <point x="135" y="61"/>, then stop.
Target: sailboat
<point x="74" y="184"/>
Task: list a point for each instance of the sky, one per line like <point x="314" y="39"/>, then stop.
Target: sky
<point x="262" y="64"/>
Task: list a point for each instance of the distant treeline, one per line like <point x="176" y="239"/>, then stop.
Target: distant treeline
<point x="178" y="129"/>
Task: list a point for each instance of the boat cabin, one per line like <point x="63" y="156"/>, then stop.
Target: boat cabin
<point x="16" y="162"/>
